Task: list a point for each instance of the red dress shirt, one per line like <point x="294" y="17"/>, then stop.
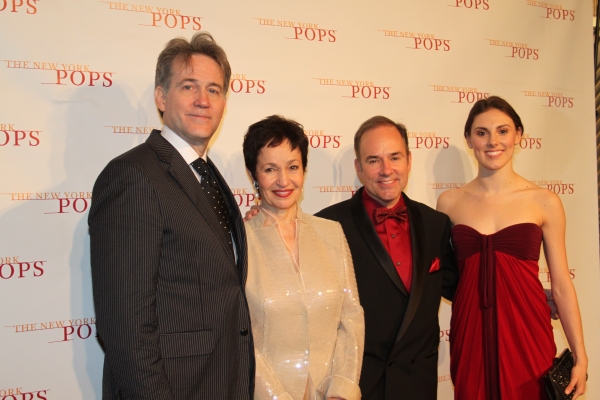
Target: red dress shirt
<point x="395" y="236"/>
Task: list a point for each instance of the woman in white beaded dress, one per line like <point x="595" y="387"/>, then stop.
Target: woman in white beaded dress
<point x="307" y="323"/>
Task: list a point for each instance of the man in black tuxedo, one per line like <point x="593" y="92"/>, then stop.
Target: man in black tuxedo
<point x="403" y="262"/>
<point x="168" y="248"/>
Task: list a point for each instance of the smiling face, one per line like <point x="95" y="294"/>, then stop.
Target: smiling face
<point x="280" y="176"/>
<point x="493" y="138"/>
<point x="384" y="164"/>
<point x="194" y="104"/>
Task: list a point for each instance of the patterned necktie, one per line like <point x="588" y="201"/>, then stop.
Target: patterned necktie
<point x="382" y="213"/>
<point x="213" y="194"/>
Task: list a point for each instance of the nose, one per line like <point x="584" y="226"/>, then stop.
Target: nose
<point x="282" y="178"/>
<point x="493" y="139"/>
<point x="202" y="100"/>
<point x="386" y="167"/>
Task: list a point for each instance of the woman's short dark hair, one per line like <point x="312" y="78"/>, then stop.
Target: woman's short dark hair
<point x="484" y="105"/>
<point x="271" y="132"/>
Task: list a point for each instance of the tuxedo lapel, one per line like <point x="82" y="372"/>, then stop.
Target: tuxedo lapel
<point x="183" y="175"/>
<point x="371" y="238"/>
<point x="418" y="240"/>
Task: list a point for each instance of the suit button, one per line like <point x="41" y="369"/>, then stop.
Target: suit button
<point x="244" y="332"/>
<point x="390" y="363"/>
<point x="412" y="361"/>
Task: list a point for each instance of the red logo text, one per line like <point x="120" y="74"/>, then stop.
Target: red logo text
<point x="517" y="50"/>
<point x="556" y="186"/>
<point x="338" y="189"/>
<point x="472" y="4"/>
<point x="421" y="41"/>
<point x="11" y="267"/>
<point x="19" y="394"/>
<point x="243" y="198"/>
<point x="124" y="129"/>
<point x="9" y="136"/>
<point x="553" y="11"/>
<point x="530" y="143"/>
<point x="553" y="99"/>
<point x="302" y="30"/>
<point x="445" y="335"/>
<point x="17" y="6"/>
<point x="161" y="17"/>
<point x="318" y="139"/>
<point x="429" y="140"/>
<point x="359" y="89"/>
<point x="241" y="84"/>
<point x="464" y="94"/>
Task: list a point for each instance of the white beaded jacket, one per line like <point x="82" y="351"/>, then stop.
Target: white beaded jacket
<point x="308" y="325"/>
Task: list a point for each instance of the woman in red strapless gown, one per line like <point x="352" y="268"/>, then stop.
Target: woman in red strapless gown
<point x="501" y="341"/>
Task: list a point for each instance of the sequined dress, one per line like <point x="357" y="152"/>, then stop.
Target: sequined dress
<point x="501" y="341"/>
<point x="308" y="325"/>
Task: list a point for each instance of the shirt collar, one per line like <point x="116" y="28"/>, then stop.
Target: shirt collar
<point x="187" y="152"/>
<point x="371" y="204"/>
<point x="258" y="220"/>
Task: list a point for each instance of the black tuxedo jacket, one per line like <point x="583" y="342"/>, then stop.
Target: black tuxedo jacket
<point x="401" y="329"/>
<point x="169" y="295"/>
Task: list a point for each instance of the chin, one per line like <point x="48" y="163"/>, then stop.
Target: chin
<point x="390" y="197"/>
<point x="282" y="205"/>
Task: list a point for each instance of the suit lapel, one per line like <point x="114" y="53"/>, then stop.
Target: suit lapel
<point x="371" y="238"/>
<point x="418" y="241"/>
<point x="235" y="220"/>
<point x="183" y="175"/>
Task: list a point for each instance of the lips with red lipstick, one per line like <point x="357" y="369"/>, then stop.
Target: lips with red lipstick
<point x="283" y="192"/>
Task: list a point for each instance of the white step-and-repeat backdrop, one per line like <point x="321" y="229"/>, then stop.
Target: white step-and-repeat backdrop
<point x="76" y="90"/>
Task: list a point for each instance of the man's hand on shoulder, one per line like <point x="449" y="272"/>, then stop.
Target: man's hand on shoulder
<point x="252" y="212"/>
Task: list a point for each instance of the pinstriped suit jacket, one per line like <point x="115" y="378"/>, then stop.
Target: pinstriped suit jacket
<point x="169" y="295"/>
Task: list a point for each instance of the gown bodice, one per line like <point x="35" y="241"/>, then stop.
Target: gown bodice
<point x="501" y="340"/>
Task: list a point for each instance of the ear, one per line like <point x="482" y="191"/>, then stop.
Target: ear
<point x="357" y="166"/>
<point x="250" y="175"/>
<point x="160" y="98"/>
<point x="518" y="136"/>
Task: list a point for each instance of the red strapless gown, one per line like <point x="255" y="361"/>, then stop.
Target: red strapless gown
<point x="501" y="341"/>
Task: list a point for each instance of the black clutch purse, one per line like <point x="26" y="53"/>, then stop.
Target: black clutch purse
<point x="558" y="377"/>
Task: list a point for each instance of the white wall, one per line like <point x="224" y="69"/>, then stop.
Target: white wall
<point x="76" y="90"/>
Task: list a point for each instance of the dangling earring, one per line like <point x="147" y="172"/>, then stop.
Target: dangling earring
<point x="257" y="190"/>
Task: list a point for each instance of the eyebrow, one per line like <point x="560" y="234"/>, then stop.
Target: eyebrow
<point x="210" y="84"/>
<point x="185" y="80"/>
<point x="289" y="162"/>
<point x="485" y="129"/>
<point x="397" y="153"/>
<point x="195" y="81"/>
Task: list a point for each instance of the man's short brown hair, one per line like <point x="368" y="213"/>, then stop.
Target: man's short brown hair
<point x="201" y="43"/>
<point x="376" y="122"/>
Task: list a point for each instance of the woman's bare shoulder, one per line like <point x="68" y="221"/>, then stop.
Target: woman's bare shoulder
<point x="449" y="198"/>
<point x="540" y="194"/>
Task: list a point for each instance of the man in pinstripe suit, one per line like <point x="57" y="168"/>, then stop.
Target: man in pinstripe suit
<point x="168" y="280"/>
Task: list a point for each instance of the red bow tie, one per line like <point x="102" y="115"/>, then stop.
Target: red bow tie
<point x="382" y="213"/>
